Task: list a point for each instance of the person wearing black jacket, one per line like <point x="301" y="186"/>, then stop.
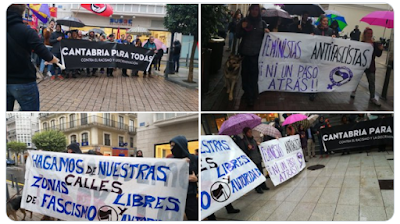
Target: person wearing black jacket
<point x="55" y="40"/>
<point x="21" y="73"/>
<point x="176" y="54"/>
<point x="355" y="34"/>
<point x="310" y="142"/>
<point x="320" y="125"/>
<point x="305" y="25"/>
<point x="335" y="28"/>
<point x="179" y="148"/>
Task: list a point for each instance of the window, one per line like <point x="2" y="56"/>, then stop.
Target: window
<point x="53" y="124"/>
<point x="143" y="8"/>
<point x="131" y="125"/>
<point x="45" y="126"/>
<point x="135" y="8"/>
<point x="159" y="117"/>
<point x="85" y="137"/>
<point x="71" y="120"/>
<point x="150" y="9"/>
<point x="120" y="122"/>
<point x="106" y="119"/>
<point x="159" y="9"/>
<point x="107" y="139"/>
<point x="62" y="123"/>
<point x="120" y="7"/>
<point x="169" y="115"/>
<point x="131" y="141"/>
<point x="128" y="7"/>
<point x="73" y="139"/>
<point x="121" y="139"/>
<point x="84" y="119"/>
<point x="181" y="114"/>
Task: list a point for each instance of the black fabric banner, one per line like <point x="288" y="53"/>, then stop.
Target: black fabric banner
<point x="355" y="135"/>
<point x="89" y="54"/>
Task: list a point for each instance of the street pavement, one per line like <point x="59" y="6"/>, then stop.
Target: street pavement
<point x="217" y="98"/>
<point x="347" y="189"/>
<point x="115" y="94"/>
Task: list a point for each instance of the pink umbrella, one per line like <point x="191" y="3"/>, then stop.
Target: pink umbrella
<point x="380" y="18"/>
<point x="268" y="130"/>
<point x="159" y="44"/>
<point x="294" y="118"/>
<point x="235" y="124"/>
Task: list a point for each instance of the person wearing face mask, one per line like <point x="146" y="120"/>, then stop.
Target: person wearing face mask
<point x="179" y="149"/>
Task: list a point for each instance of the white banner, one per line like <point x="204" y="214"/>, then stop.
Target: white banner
<point x="79" y="187"/>
<point x="292" y="62"/>
<point x="283" y="158"/>
<point x="226" y="173"/>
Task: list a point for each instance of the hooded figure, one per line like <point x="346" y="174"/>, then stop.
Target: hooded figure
<point x="180" y="151"/>
<point x="320" y="125"/>
<point x="74" y="148"/>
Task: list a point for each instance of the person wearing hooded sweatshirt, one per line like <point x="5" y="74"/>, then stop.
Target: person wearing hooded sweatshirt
<point x="55" y="40"/>
<point x="251" y="29"/>
<point x="318" y="126"/>
<point x="176" y="54"/>
<point x="355" y="34"/>
<point x="74" y="148"/>
<point x="21" y="73"/>
<point x="335" y="28"/>
<point x="179" y="148"/>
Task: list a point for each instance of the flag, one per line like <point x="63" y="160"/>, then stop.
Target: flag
<point x="53" y="12"/>
<point x="41" y="11"/>
<point x="118" y="37"/>
<point x="100" y="9"/>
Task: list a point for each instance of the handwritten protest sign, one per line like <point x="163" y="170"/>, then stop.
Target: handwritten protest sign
<point x="294" y="62"/>
<point x="85" y="187"/>
<point x="283" y="158"/>
<point x="90" y="54"/>
<point x="226" y="173"/>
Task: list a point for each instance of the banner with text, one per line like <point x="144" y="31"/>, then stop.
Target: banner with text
<point x="226" y="173"/>
<point x="79" y="187"/>
<point x="90" y="54"/>
<point x="283" y="158"/>
<point x="292" y="62"/>
<point x="356" y="135"/>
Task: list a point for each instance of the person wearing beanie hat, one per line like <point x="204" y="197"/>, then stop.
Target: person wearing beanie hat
<point x="74" y="148"/>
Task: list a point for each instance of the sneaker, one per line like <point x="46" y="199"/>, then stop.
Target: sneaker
<point x="48" y="73"/>
<point x="53" y="77"/>
<point x="258" y="190"/>
<point x="60" y="77"/>
<point x="353" y="94"/>
<point x="233" y="210"/>
<point x="376" y="102"/>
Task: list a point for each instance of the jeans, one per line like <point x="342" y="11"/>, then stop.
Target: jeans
<point x="371" y="84"/>
<point x="55" y="69"/>
<point x="176" y="58"/>
<point x="27" y="95"/>
<point x="50" y="66"/>
<point x="231" y="36"/>
<point x="250" y="77"/>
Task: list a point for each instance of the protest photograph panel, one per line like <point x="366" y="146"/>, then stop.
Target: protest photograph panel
<point x="102" y="166"/>
<point x="297" y="167"/>
<point x="305" y="57"/>
<point x="102" y="57"/>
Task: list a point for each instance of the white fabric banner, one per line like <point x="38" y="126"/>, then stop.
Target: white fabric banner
<point x="226" y="173"/>
<point x="283" y="158"/>
<point x="292" y="62"/>
<point x="80" y="187"/>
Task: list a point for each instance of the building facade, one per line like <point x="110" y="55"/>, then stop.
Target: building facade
<point x="21" y="127"/>
<point x="156" y="130"/>
<point x="112" y="134"/>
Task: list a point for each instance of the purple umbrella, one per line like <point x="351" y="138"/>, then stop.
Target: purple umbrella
<point x="268" y="130"/>
<point x="235" y="124"/>
<point x="294" y="118"/>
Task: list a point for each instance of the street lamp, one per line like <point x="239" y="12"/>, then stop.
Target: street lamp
<point x="170" y="65"/>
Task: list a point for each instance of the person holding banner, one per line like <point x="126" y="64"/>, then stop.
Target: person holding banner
<point x="91" y="37"/>
<point x="250" y="147"/>
<point x="55" y="40"/>
<point x="321" y="124"/>
<point x="251" y="29"/>
<point x="370" y="72"/>
<point x="46" y="38"/>
<point x="151" y="46"/>
<point x="179" y="149"/>
<point x="110" y="40"/>
<point x="344" y="122"/>
<point x="305" y="25"/>
<point x="137" y="43"/>
<point x="126" y="42"/>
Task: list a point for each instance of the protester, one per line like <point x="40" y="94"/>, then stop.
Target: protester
<point x="137" y="43"/>
<point x="305" y="25"/>
<point x="179" y="148"/>
<point x="55" y="40"/>
<point x="151" y="46"/>
<point x="21" y="73"/>
<point x="275" y="25"/>
<point x="46" y="33"/>
<point x="335" y="28"/>
<point x="79" y="35"/>
<point x="310" y="142"/>
<point x="74" y="148"/>
<point x="251" y="29"/>
<point x="370" y="72"/>
<point x="320" y="125"/>
<point x="176" y="54"/>
<point x="344" y="121"/>
<point x="126" y="42"/>
<point x="93" y="38"/>
<point x="355" y="34"/>
<point x="290" y="130"/>
<point x="139" y="153"/>
<point x="71" y="73"/>
<point x="303" y="140"/>
<point x="232" y="28"/>
<point x="122" y="40"/>
<point x="110" y="70"/>
<point x="250" y="147"/>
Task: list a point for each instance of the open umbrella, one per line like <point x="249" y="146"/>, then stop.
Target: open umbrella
<point x="306" y="124"/>
<point x="138" y="31"/>
<point x="97" y="30"/>
<point x="380" y="18"/>
<point x="159" y="44"/>
<point x="294" y="118"/>
<point x="235" y="124"/>
<point x="70" y="21"/>
<point x="276" y="12"/>
<point x="268" y="130"/>
<point x="312" y="118"/>
<point x="314" y="10"/>
<point x="41" y="11"/>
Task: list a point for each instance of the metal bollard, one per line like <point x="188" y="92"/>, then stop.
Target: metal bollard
<point x="16" y="184"/>
<point x="12" y="181"/>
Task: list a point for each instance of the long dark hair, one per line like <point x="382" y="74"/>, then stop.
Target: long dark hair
<point x="300" y="125"/>
<point x="321" y="17"/>
<point x="259" y="12"/>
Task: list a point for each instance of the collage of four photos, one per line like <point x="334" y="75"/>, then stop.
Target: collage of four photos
<point x="200" y="112"/>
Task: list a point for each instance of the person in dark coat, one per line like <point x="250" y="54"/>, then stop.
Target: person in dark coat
<point x="74" y="148"/>
<point x="232" y="28"/>
<point x="345" y="121"/>
<point x="303" y="140"/>
<point x="179" y="148"/>
<point x="304" y="26"/>
<point x="21" y="73"/>
<point x="55" y="40"/>
<point x="335" y="28"/>
<point x="250" y="148"/>
<point x="251" y="29"/>
<point x="355" y="34"/>
<point x="176" y="54"/>
<point x="310" y="142"/>
<point x="157" y="59"/>
<point x="318" y="126"/>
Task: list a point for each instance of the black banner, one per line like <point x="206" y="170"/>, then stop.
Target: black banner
<point x="89" y="54"/>
<point x="355" y="135"/>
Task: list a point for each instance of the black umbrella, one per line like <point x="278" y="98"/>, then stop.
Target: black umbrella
<point x="96" y="30"/>
<point x="71" y="21"/>
<point x="314" y="10"/>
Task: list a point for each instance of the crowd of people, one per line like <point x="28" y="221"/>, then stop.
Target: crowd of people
<point x="246" y="36"/>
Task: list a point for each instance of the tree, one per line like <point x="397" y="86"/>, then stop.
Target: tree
<point x="16" y="147"/>
<point x="50" y="141"/>
<point x="212" y="17"/>
<point x="183" y="19"/>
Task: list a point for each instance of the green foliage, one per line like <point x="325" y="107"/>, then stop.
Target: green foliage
<point x="212" y="18"/>
<point x="182" y="19"/>
<point x="50" y="141"/>
<point x="16" y="147"/>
